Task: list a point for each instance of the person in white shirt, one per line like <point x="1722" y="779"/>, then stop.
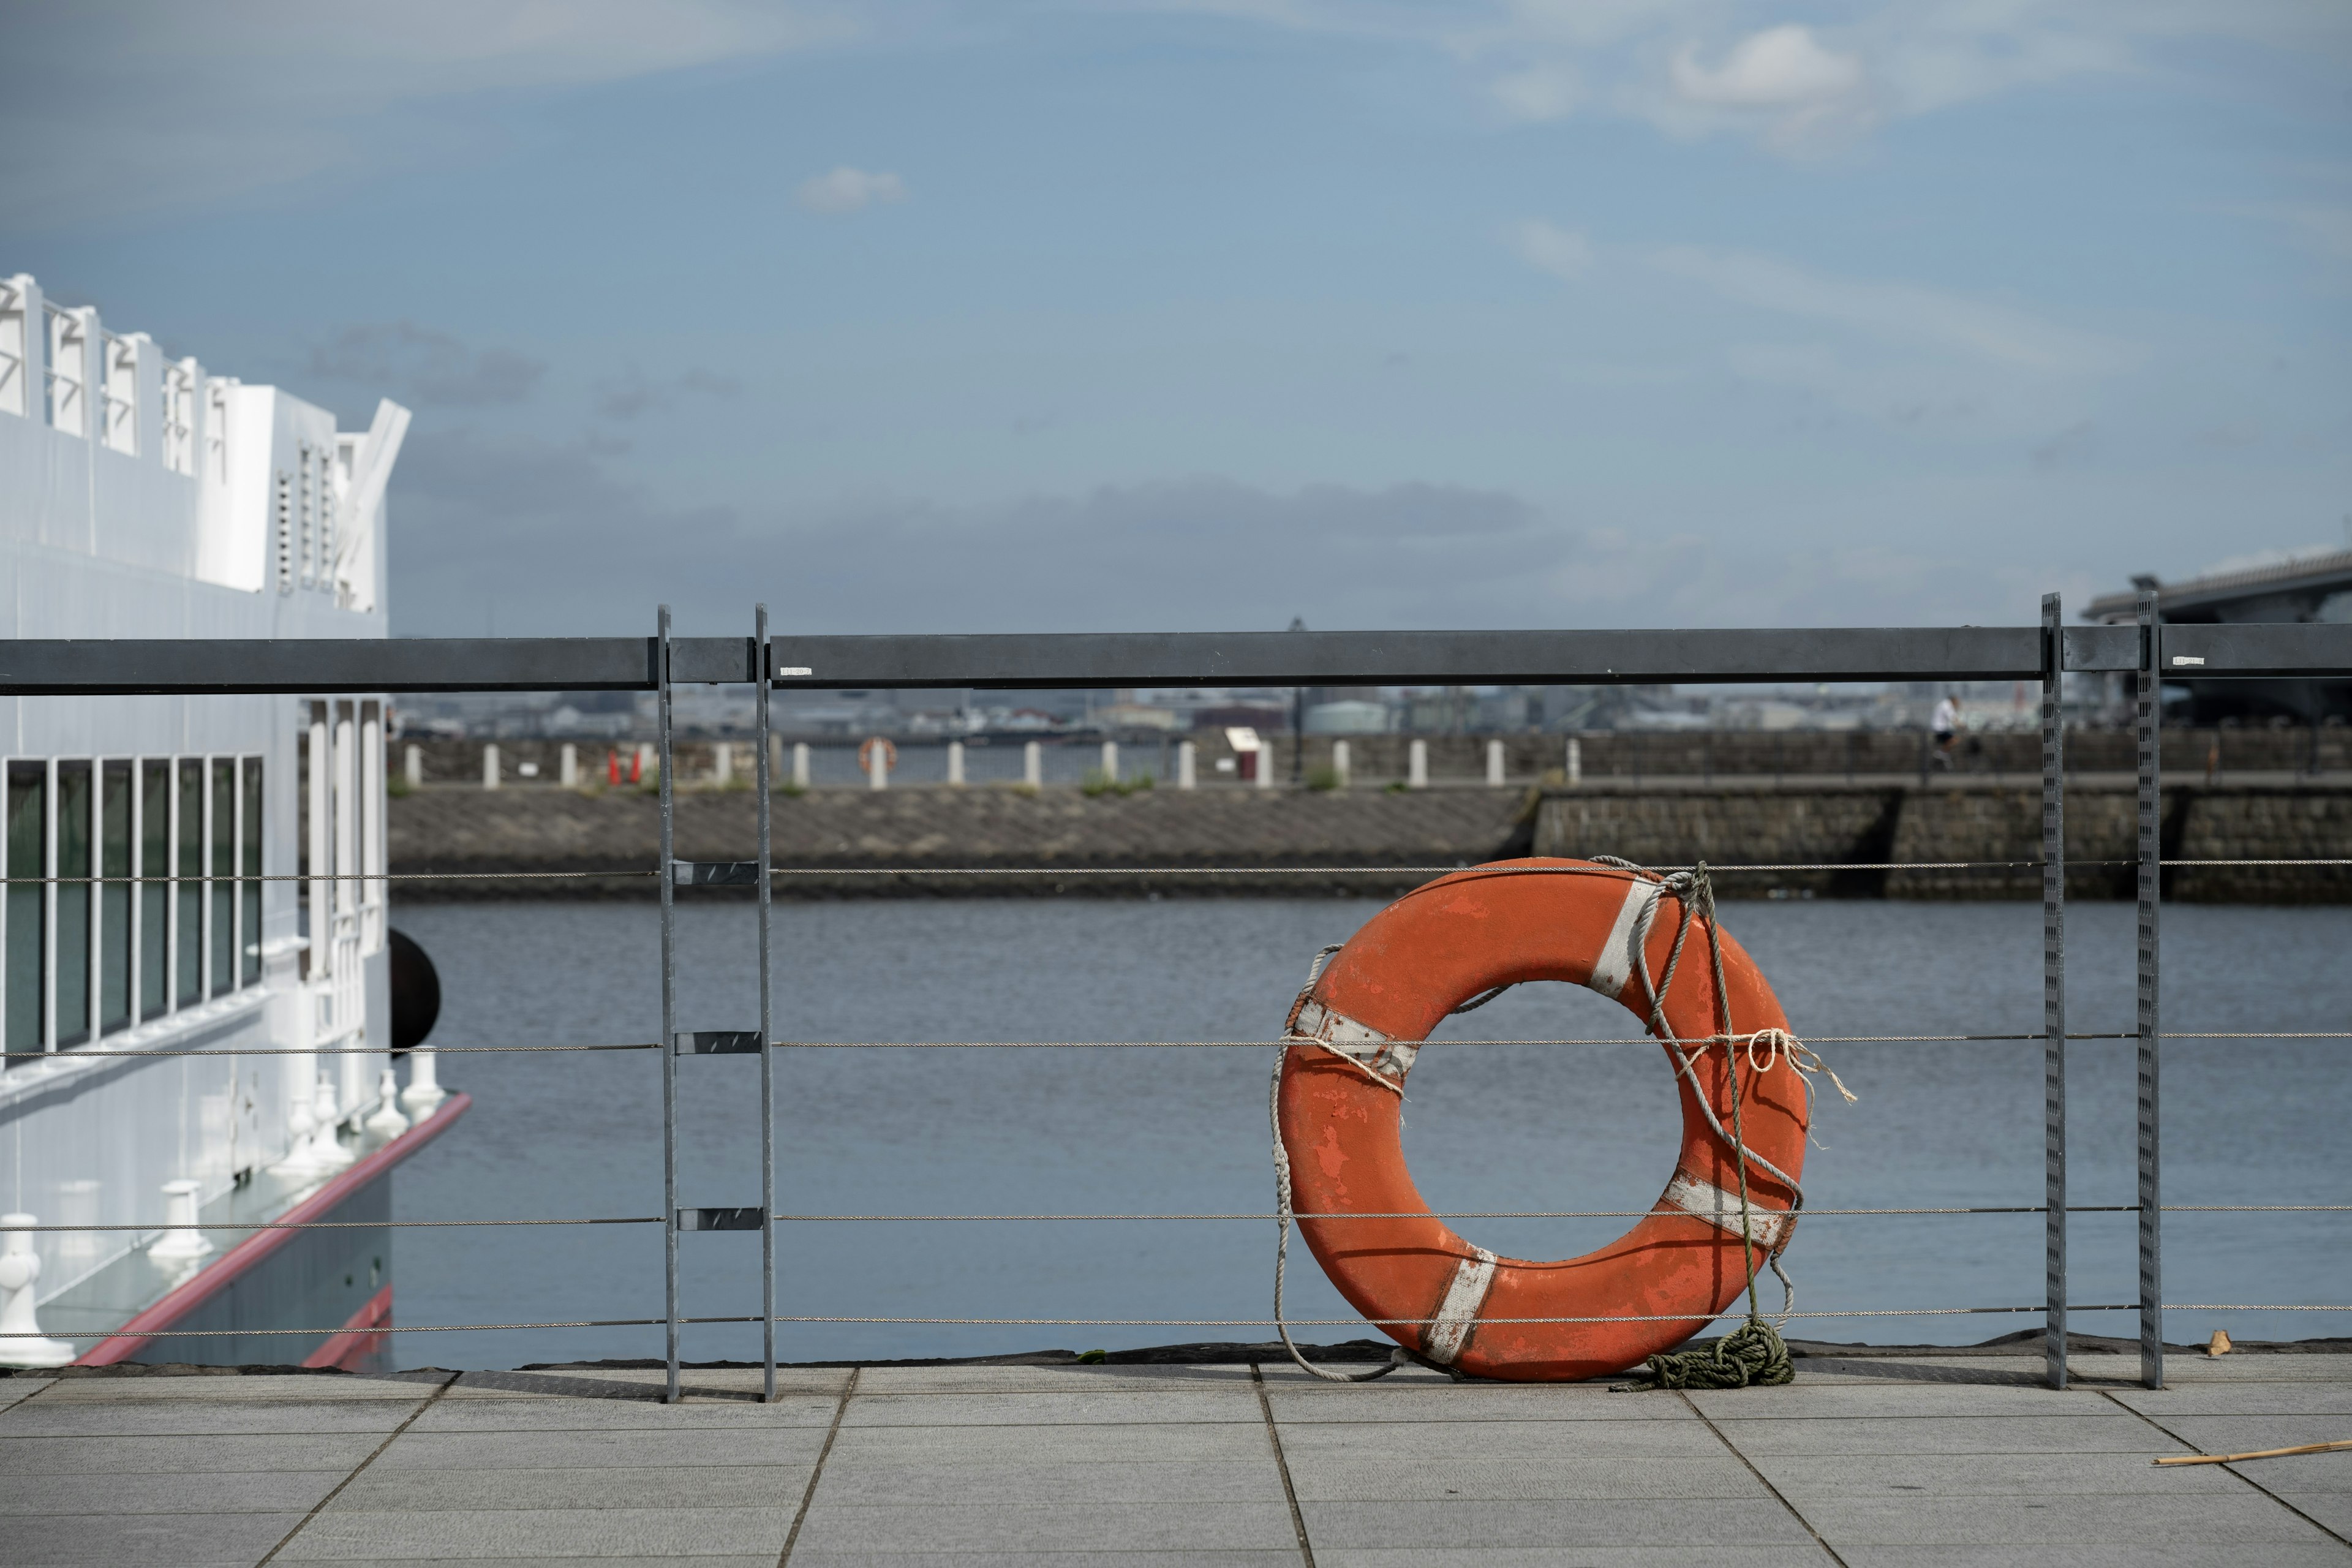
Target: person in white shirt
<point x="1946" y="724"/>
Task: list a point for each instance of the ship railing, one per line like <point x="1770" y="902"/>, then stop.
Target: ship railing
<point x="2145" y="655"/>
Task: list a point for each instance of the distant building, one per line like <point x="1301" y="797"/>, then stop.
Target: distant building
<point x="2314" y="585"/>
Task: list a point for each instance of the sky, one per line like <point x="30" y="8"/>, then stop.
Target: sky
<point x="1106" y="314"/>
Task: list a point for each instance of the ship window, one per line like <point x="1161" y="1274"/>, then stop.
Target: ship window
<point x="188" y="938"/>
<point x="73" y="903"/>
<point x="114" y="898"/>
<point x="27" y="905"/>
<point x="249" y="891"/>
<point x="285" y="532"/>
<point x="223" y="890"/>
<point x="154" y="894"/>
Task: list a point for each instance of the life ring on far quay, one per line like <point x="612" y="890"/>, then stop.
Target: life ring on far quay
<point x="866" y="754"/>
<point x="1339" y="1097"/>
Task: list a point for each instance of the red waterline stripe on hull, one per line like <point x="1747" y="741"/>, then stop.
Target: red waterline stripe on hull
<point x="245" y="1256"/>
<point x="368" y="1325"/>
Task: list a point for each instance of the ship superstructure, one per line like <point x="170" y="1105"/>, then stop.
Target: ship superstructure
<point x="189" y="878"/>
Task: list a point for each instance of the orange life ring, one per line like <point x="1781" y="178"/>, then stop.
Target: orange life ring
<point x="1338" y="1103"/>
<point x="866" y="754"/>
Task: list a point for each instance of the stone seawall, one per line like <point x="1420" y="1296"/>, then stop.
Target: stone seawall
<point x="856" y="843"/>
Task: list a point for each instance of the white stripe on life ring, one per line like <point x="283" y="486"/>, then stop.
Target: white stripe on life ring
<point x="1618" y="960"/>
<point x="1703" y="1200"/>
<point x="1443" y="1341"/>
<point x="1367" y="1047"/>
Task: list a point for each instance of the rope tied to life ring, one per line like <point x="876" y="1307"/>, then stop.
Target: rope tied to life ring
<point x="1753" y="1354"/>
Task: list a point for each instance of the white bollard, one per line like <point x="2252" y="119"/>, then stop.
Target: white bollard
<point x="424" y="1091"/>
<point x="775" y="757"/>
<point x="1110" y="762"/>
<point x="1575" y="761"/>
<point x="800" y="765"/>
<point x="299" y="1124"/>
<point x="722" y="764"/>
<point x="1494" y="764"/>
<point x="21" y="1341"/>
<point x="1340" y="764"/>
<point x="646" y="758"/>
<point x="955" y="763"/>
<point x="412" y="765"/>
<point x="1033" y="765"/>
<point x="184" y="1240"/>
<point x="385" y="1121"/>
<point x="1417" y="765"/>
<point x="567" y="766"/>
<point x="1188" y="765"/>
<point x="1264" y="763"/>
<point x="327" y="1152"/>
<point x="877" y="766"/>
<point x="490" y="766"/>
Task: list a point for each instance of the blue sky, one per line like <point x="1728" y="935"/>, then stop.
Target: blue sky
<point x="1067" y="316"/>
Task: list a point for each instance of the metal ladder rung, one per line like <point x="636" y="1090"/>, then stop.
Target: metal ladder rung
<point x="716" y="1042"/>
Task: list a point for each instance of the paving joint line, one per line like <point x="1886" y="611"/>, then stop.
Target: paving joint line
<point x="1777" y="1496"/>
<point x="816" y="1471"/>
<point x="2331" y="1533"/>
<point x="1282" y="1466"/>
<point x="393" y="1435"/>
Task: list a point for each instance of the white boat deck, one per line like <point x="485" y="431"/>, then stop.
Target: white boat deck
<point x="1888" y="1461"/>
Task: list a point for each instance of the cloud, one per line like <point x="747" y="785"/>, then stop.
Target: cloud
<point x="1781" y="68"/>
<point x="1564" y="253"/>
<point x="425" y="367"/>
<point x="214" y="103"/>
<point x="634" y="393"/>
<point x="1899" y="313"/>
<point x="848" y="190"/>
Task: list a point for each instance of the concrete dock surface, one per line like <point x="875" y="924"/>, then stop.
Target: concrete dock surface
<point x="1888" y="1462"/>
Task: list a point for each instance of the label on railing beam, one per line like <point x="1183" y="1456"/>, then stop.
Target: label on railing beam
<point x="719" y="1219"/>
<point x="717" y="1042"/>
<point x="714" y="873"/>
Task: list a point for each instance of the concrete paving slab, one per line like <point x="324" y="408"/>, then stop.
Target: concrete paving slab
<point x="462" y="1534"/>
<point x="1106" y="1407"/>
<point x="216" y="1386"/>
<point x="2243" y="1399"/>
<point x="862" y="1485"/>
<point x="1555" y="1523"/>
<point x="2293" y="1473"/>
<point x="1887" y="1399"/>
<point x="711" y="1382"/>
<point x="1057" y="1443"/>
<point x="1378" y="1443"/>
<point x="804" y="1558"/>
<point x="380" y="1491"/>
<point x="177" y="1492"/>
<point x="1808" y="1555"/>
<point x="637" y="1448"/>
<point x="2112" y="1432"/>
<point x="2333" y="1510"/>
<point x="1441" y="1475"/>
<point x="15" y="1390"/>
<point x="193" y="1417"/>
<point x="700" y="1560"/>
<point x="118" y="1456"/>
<point x="2245" y="1520"/>
<point x="1067" y="1527"/>
<point x="529" y="1413"/>
<point x="1040" y="1379"/>
<point x="1482" y="1403"/>
<point x="143" y="1540"/>
<point x="2278" y="1555"/>
<point x="2243" y="1434"/>
<point x="1803" y="1478"/>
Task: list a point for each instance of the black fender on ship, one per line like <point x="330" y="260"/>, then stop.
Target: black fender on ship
<point x="415" y="993"/>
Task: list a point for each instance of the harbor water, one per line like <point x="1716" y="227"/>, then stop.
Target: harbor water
<point x="1170" y="1130"/>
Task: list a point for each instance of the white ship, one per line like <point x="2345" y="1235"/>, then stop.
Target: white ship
<point x="196" y="990"/>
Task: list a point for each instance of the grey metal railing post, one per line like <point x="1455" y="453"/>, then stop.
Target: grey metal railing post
<point x="762" y="675"/>
<point x="669" y="1006"/>
<point x="2150" y="716"/>
<point x="2053" y="993"/>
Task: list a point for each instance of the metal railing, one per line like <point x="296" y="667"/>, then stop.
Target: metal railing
<point x="2046" y="654"/>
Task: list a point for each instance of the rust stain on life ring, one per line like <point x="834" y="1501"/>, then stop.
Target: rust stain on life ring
<point x="1409" y="967"/>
